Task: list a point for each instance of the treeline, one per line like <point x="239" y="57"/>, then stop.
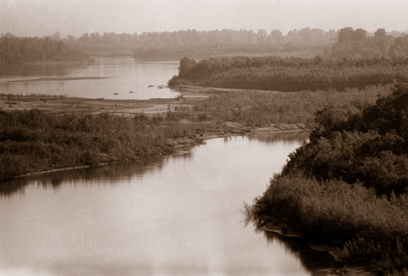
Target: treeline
<point x="17" y="50"/>
<point x="349" y="185"/>
<point x="359" y="44"/>
<point x="205" y="43"/>
<point x="290" y="73"/>
<point x="306" y="42"/>
<point x="343" y="43"/>
<point x="34" y="140"/>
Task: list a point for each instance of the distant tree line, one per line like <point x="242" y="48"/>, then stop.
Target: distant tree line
<point x="17" y="50"/>
<point x="290" y="73"/>
<point x="344" y="43"/>
<point x="359" y="44"/>
<point x="306" y="42"/>
<point x="204" y="43"/>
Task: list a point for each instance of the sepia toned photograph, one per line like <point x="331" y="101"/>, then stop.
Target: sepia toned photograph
<point x="203" y="138"/>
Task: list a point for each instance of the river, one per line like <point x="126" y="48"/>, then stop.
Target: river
<point x="177" y="215"/>
<point x="108" y="78"/>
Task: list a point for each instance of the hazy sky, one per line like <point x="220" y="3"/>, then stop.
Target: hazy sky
<point x="75" y="17"/>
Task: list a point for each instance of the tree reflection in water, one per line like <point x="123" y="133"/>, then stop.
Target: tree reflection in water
<point x="127" y="170"/>
<point x="285" y="137"/>
<point x="318" y="263"/>
<point x="95" y="175"/>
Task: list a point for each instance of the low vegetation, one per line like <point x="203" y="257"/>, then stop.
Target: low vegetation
<point x="348" y="186"/>
<point x="34" y="140"/>
<point x="263" y="109"/>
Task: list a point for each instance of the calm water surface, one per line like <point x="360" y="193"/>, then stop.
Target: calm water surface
<point x="178" y="215"/>
<point x="109" y="78"/>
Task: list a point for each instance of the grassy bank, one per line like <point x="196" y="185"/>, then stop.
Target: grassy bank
<point x="348" y="186"/>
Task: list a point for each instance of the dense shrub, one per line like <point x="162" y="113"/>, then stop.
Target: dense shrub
<point x="369" y="146"/>
<point x="290" y="73"/>
<point x="33" y="140"/>
<point x="348" y="185"/>
<point x="370" y="228"/>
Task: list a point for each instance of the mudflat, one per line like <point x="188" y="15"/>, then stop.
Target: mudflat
<point x="69" y="105"/>
<point x="189" y="95"/>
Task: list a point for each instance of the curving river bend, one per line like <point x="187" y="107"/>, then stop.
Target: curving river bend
<point x="177" y="215"/>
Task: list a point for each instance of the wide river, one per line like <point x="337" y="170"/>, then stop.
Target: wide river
<point x="176" y="215"/>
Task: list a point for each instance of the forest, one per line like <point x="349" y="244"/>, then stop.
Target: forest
<point x="348" y="186"/>
<point x="290" y="73"/>
<point x="16" y="50"/>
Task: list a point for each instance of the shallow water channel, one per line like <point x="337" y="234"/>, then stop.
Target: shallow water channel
<point x="177" y="215"/>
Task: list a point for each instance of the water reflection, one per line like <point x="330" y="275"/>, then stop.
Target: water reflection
<point x="318" y="263"/>
<point x="92" y="176"/>
<point x="286" y="137"/>
<point x="127" y="171"/>
<point x="109" y="78"/>
<point x="179" y="215"/>
<point x="37" y="70"/>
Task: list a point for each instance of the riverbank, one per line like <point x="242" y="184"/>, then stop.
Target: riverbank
<point x="50" y="133"/>
<point x="60" y="105"/>
<point x="87" y="61"/>
<point x="189" y="95"/>
<point x="283" y="234"/>
<point x="348" y="187"/>
<point x="198" y="112"/>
